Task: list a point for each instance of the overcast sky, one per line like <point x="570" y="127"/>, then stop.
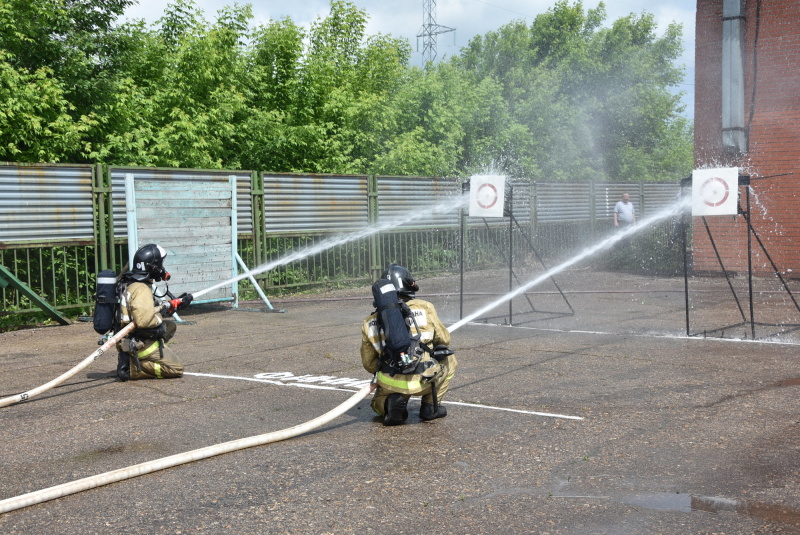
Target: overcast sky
<point x="403" y="18"/>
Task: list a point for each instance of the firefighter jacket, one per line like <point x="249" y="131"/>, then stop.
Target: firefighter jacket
<point x="138" y="305"/>
<point x="432" y="333"/>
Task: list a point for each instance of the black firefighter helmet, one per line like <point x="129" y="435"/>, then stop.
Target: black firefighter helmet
<point x="402" y="280"/>
<point x="148" y="263"/>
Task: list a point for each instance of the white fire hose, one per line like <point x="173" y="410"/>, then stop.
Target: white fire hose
<point x="60" y="379"/>
<point x="87" y="483"/>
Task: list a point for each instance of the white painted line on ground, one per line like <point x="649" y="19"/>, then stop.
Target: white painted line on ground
<point x="694" y="338"/>
<point x="490" y="407"/>
<point x="257" y="380"/>
<point x="322" y="387"/>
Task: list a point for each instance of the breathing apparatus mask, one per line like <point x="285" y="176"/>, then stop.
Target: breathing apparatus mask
<point x="148" y="263"/>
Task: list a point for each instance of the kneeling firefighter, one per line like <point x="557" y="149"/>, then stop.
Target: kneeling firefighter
<point x="141" y="354"/>
<point x="405" y="344"/>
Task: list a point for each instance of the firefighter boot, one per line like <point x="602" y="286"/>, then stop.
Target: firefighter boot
<point x="395" y="412"/>
<point x="123" y="366"/>
<point x="426" y="412"/>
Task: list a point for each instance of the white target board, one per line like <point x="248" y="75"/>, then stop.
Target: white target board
<point x="487" y="195"/>
<point x="715" y="191"/>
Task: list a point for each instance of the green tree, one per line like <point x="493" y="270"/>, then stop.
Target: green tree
<point x="183" y="97"/>
<point x="36" y="124"/>
<point x="72" y="41"/>
<point x="563" y="97"/>
<point x="316" y="108"/>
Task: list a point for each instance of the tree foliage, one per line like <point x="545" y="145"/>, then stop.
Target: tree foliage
<point x="562" y="98"/>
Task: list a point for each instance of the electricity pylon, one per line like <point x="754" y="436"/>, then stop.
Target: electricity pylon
<point x="430" y="30"/>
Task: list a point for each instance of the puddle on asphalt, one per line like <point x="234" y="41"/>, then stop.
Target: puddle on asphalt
<point x="711" y="504"/>
<point x="788" y="382"/>
<point x="663" y="501"/>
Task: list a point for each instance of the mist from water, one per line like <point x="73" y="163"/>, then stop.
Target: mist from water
<point x="671" y="210"/>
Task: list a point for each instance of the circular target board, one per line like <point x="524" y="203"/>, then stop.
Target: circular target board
<point x="486" y="196"/>
<point x="714" y="191"/>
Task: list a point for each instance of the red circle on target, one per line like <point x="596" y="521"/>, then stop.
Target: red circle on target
<point x="493" y="193"/>
<point x="709" y="184"/>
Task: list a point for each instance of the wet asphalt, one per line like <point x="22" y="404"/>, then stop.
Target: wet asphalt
<point x="593" y="413"/>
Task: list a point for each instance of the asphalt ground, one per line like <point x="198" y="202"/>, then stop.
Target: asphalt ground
<point x="593" y="413"/>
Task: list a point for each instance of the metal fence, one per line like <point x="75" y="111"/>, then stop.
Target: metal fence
<point x="60" y="224"/>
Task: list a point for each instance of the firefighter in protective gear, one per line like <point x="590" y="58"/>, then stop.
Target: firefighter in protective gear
<point x="430" y="379"/>
<point x="141" y="354"/>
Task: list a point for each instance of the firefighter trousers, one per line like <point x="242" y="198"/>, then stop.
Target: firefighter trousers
<point x="153" y="365"/>
<point x="409" y="385"/>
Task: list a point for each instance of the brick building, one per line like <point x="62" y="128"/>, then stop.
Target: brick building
<point x="747" y="115"/>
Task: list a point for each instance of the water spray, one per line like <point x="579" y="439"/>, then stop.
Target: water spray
<point x="621" y="235"/>
<point x="450" y="204"/>
<point x="81" y="365"/>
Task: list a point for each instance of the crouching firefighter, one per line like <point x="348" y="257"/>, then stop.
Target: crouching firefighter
<point x="405" y="344"/>
<point x="141" y="354"/>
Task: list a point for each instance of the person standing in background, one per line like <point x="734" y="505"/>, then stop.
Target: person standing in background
<point x="624" y="212"/>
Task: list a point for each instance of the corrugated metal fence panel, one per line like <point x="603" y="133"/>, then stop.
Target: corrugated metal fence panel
<point x="608" y="195"/>
<point x="48" y="203"/>
<point x="521" y="205"/>
<point x="243" y="200"/>
<point x="659" y="196"/>
<point x="400" y="196"/>
<point x="244" y="203"/>
<point x="556" y="201"/>
<point x="314" y="203"/>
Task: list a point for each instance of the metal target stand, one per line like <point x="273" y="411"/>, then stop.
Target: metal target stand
<point x="743" y="180"/>
<point x="508" y="212"/>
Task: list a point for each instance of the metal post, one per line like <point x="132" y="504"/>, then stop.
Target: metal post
<point x="109" y="200"/>
<point x="750" y="263"/>
<point x="130" y="211"/>
<point x="509" y="204"/>
<point x="685" y="225"/>
<point x="464" y="189"/>
<point x="533" y="194"/>
<point x="373" y="216"/>
<point x="234" y="241"/>
<point x="257" y="215"/>
<point x="99" y="210"/>
<point x="685" y="215"/>
<point x="592" y="210"/>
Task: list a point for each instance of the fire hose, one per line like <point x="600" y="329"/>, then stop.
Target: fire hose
<point x="60" y="379"/>
<point x="106" y="478"/>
